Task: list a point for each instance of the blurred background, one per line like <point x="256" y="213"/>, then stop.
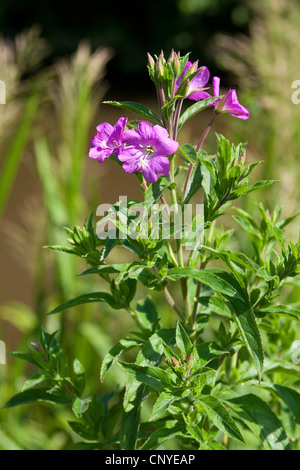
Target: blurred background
<point x="58" y="65"/>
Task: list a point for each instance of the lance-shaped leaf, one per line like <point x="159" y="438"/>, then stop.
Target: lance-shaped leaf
<point x="284" y="310"/>
<point x="137" y="108"/>
<point x="195" y="109"/>
<point x="165" y="430"/>
<point x="156" y="378"/>
<point x="220" y="416"/>
<point x="34" y="395"/>
<point x="249" y="331"/>
<point x="115" y="352"/>
<point x="88" y="298"/>
<point x="183" y="342"/>
<point x="290" y="396"/>
<point x="217" y="279"/>
<point x="261" y="420"/>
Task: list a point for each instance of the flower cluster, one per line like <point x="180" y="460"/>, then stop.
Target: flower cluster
<point x="145" y="149"/>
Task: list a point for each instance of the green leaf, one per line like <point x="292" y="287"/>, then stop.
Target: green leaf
<point x="163" y="402"/>
<point x="107" y="269"/>
<point x="88" y="298"/>
<point x="194" y="109"/>
<point x="79" y="380"/>
<point x="220" y="416"/>
<point x="183" y="342"/>
<point x="195" y="432"/>
<point x="232" y="260"/>
<point x="80" y="406"/>
<point x="261" y="420"/>
<point x="165" y="430"/>
<point x="154" y="377"/>
<point x="189" y="152"/>
<point x="259" y="185"/>
<point x="217" y="279"/>
<point x="131" y="415"/>
<point x="194" y="184"/>
<point x="284" y="310"/>
<point x="249" y="331"/>
<point x="36" y="379"/>
<point x="150" y="354"/>
<point x="288" y="395"/>
<point x="147" y="314"/>
<point x="115" y="352"/>
<point x="34" y="395"/>
<point x="155" y="191"/>
<point x="136" y="108"/>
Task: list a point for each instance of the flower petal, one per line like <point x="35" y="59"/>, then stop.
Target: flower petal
<point x="216" y="85"/>
<point x="201" y="79"/>
<point x="233" y="106"/>
<point x="104" y="131"/>
<point x="145" y="130"/>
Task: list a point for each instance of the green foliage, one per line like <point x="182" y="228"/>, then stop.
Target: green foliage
<point x="222" y="372"/>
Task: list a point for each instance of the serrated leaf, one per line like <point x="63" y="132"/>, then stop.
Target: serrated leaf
<point x="260" y="185"/>
<point x="220" y="416"/>
<point x="161" y="405"/>
<point x="284" y="310"/>
<point x="183" y="342"/>
<point x="216" y="279"/>
<point x="249" y="331"/>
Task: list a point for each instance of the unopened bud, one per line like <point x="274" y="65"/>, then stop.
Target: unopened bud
<point x="190" y="360"/>
<point x="184" y="88"/>
<point x="36" y="347"/>
<point x="159" y="69"/>
<point x="151" y="62"/>
<point x="175" y="362"/>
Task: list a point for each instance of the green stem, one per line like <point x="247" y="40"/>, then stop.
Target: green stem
<point x="172" y="304"/>
<point x="200" y="143"/>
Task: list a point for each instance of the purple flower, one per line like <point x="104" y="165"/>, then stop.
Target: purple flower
<point x="228" y="103"/>
<point x="197" y="83"/>
<point x="148" y="151"/>
<point x="109" y="140"/>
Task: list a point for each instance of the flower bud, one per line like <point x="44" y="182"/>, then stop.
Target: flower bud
<point x="151" y="62"/>
<point x="159" y="68"/>
<point x="175" y="362"/>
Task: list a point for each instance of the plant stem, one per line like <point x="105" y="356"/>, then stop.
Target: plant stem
<point x="200" y="143"/>
<point x="172" y="304"/>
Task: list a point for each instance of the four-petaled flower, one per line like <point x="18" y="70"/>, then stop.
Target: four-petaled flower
<point x="109" y="140"/>
<point x="228" y="103"/>
<point x="197" y="83"/>
<point x="147" y="151"/>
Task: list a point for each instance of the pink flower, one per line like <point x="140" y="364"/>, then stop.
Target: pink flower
<point x="147" y="151"/>
<point x="228" y="103"/>
<point x="109" y="140"/>
<point x="197" y="84"/>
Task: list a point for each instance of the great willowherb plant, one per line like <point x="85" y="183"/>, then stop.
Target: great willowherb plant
<point x="223" y="373"/>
